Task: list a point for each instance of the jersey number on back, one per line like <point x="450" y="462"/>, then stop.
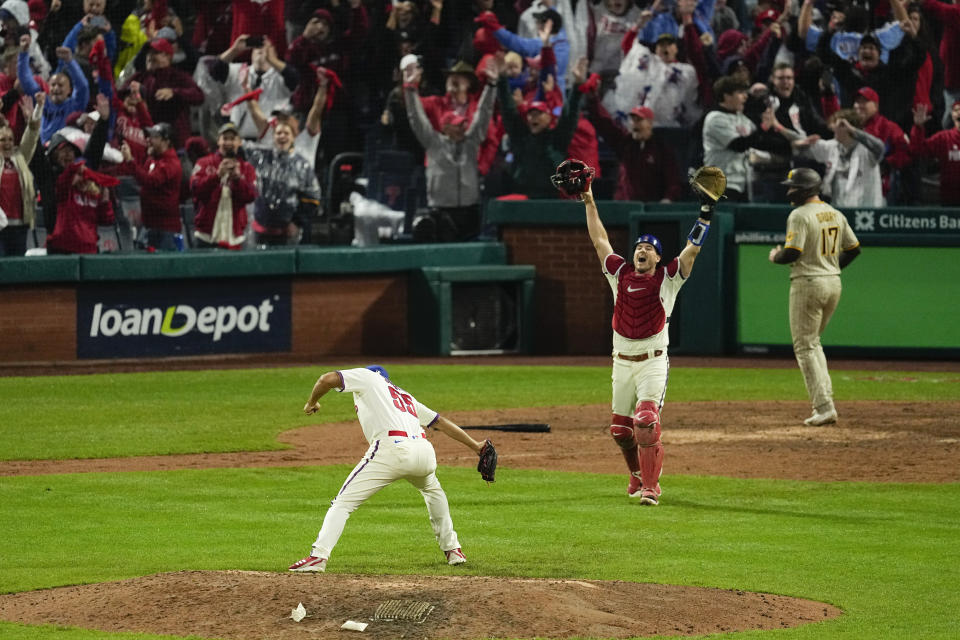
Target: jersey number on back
<point x="828" y="240"/>
<point x="402" y="401"/>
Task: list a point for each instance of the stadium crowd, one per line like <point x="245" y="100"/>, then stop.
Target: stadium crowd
<point x="242" y="122"/>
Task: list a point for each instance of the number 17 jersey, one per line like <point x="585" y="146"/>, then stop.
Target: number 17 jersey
<point x="820" y="233"/>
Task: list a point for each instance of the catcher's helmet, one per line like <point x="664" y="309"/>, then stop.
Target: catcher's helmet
<point x="573" y="177"/>
<point x="378" y="369"/>
<point x="801" y="184"/>
<point x="649" y="239"/>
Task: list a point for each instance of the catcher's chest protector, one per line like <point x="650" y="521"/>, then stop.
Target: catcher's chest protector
<point x="638" y="312"/>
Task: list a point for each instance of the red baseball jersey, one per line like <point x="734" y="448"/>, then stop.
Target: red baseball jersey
<point x="642" y="303"/>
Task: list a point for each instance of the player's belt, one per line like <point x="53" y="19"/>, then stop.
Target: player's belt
<point x="401" y="434"/>
<point x="641" y="357"/>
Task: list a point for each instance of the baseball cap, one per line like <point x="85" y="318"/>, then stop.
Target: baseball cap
<point x="551" y="14"/>
<point x="58" y="140"/>
<point x="228" y="127"/>
<point x="869" y="39"/>
<point x="642" y="112"/>
<point x="161" y="45"/>
<point x="869" y="94"/>
<point x="666" y="38"/>
<point x="161" y="129"/>
<point x="452" y="118"/>
<point x="763" y="16"/>
<point x="407" y="60"/>
<point x="378" y="369"/>
<point x="537" y="105"/>
<point x="324" y="15"/>
<point x="73" y="119"/>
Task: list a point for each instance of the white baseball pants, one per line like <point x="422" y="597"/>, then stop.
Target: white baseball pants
<point x="635" y="382"/>
<point x="389" y="459"/>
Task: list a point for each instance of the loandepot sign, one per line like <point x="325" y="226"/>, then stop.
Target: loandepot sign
<point x="900" y="220"/>
<point x="189" y="318"/>
<point x="181" y="319"/>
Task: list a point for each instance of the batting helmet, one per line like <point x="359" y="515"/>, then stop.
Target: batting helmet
<point x="649" y="239"/>
<point x="573" y="177"/>
<point x="801" y="184"/>
<point x="378" y="369"/>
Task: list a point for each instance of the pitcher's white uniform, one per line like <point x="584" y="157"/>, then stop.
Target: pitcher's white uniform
<point x="392" y="422"/>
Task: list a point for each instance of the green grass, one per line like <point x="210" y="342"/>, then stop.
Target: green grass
<point x="887" y="555"/>
<point x="108" y="415"/>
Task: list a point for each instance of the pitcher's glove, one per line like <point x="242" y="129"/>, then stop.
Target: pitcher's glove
<point x="488" y="461"/>
<point x="573" y="177"/>
<point x="708" y="183"/>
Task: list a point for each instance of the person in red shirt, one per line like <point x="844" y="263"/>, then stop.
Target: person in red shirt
<point x="897" y="158"/>
<point x="133" y="118"/>
<point x="321" y="46"/>
<point x="948" y="16"/>
<point x="159" y="178"/>
<point x="944" y="146"/>
<point x="83" y="203"/>
<point x="223" y="185"/>
<point x="649" y="171"/>
<point x="168" y="91"/>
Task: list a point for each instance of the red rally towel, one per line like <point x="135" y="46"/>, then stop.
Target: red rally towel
<point x="252" y="95"/>
<point x="100" y="179"/>
<point x="333" y="82"/>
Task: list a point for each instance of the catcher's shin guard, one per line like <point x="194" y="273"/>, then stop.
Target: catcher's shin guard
<point x="621" y="428"/>
<point x="647" y="433"/>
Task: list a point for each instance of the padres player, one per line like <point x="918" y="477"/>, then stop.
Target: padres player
<point x="819" y="244"/>
<point x="392" y="421"/>
<point x="643" y="297"/>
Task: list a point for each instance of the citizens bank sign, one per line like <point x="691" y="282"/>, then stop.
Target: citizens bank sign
<point x="188" y="318"/>
<point x="900" y="220"/>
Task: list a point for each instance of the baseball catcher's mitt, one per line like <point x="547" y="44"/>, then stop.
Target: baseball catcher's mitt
<point x="488" y="461"/>
<point x="572" y="178"/>
<point x="709" y="183"/>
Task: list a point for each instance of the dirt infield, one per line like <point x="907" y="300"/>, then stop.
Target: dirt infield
<point x="735" y="439"/>
<point x="247" y="605"/>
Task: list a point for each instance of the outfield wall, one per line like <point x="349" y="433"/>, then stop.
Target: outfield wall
<point x="901" y="298"/>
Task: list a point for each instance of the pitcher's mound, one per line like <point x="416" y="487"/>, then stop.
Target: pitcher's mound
<point x="241" y="605"/>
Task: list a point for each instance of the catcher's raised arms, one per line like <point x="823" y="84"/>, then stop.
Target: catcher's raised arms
<point x="488" y="462"/>
<point x="573" y="178"/>
<point x="709" y="183"/>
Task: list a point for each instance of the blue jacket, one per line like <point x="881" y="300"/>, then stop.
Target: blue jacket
<point x="666" y="23"/>
<point x="530" y="48"/>
<point x="109" y="39"/>
<point x="55" y="115"/>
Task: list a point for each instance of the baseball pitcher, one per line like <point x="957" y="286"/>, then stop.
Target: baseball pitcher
<point x="644" y="292"/>
<point x="819" y="244"/>
<point x="393" y="423"/>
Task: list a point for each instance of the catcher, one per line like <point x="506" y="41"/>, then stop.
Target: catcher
<point x="644" y="292"/>
<point x="392" y="421"/>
